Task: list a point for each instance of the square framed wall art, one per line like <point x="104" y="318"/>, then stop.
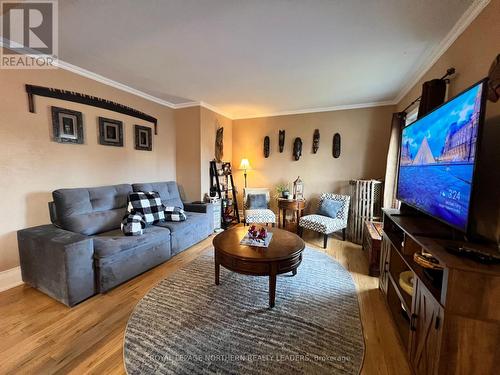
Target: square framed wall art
<point x="110" y="132"/>
<point x="143" y="138"/>
<point x="67" y="125"/>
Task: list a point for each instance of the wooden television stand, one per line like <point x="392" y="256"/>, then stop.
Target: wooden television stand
<point x="449" y="325"/>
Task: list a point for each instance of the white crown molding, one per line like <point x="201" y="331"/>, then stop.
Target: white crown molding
<point x="10" y="278"/>
<point x="463" y="22"/>
<point x="109" y="82"/>
<point x="320" y="109"/>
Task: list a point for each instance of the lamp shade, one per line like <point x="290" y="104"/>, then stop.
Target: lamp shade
<point x="245" y="164"/>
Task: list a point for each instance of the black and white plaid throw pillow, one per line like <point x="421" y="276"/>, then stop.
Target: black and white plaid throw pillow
<point x="175" y="214"/>
<point x="148" y="205"/>
<point x="133" y="225"/>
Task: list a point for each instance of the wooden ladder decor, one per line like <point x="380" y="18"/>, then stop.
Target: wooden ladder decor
<point x="76" y="97"/>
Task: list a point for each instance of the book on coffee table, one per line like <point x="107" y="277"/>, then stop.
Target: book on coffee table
<point x="247" y="240"/>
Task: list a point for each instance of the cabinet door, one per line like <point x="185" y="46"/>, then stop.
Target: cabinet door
<point x="384" y="264"/>
<point x="426" y="329"/>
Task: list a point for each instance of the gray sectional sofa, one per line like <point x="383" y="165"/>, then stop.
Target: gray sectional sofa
<point x="83" y="252"/>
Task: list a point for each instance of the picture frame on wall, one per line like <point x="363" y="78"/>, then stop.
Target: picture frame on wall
<point x="110" y="132"/>
<point x="143" y="138"/>
<point x="67" y="125"/>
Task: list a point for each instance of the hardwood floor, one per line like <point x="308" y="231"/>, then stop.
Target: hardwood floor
<point x="39" y="335"/>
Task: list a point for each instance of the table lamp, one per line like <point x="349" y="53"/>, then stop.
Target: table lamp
<point x="245" y="165"/>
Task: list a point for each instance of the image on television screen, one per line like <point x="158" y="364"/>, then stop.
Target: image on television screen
<point x="437" y="159"/>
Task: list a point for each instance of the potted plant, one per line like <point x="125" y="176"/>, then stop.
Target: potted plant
<point x="283" y="191"/>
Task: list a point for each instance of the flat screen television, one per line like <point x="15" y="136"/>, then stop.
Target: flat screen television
<point x="438" y="156"/>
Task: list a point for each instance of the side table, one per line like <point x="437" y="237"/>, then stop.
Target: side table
<point x="285" y="205"/>
<point x="371" y="244"/>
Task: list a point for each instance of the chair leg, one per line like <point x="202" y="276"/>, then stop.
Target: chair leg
<point x="325" y="240"/>
<point x="343" y="234"/>
<point x="301" y="232"/>
<point x="273" y="225"/>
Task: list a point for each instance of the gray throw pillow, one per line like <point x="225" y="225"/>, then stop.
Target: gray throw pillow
<point x="330" y="208"/>
<point x="256" y="201"/>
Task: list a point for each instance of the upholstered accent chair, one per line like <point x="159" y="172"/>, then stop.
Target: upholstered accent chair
<point x="256" y="206"/>
<point x="324" y="224"/>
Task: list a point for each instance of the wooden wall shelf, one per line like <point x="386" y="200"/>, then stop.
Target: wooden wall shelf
<point x="449" y="325"/>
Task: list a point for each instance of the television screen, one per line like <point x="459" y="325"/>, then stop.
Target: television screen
<point x="437" y="159"/>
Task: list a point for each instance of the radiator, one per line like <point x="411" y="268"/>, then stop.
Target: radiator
<point x="366" y="204"/>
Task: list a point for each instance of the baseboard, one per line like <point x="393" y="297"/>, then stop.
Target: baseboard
<point x="10" y="278"/>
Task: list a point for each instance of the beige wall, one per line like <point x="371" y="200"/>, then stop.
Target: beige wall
<point x="187" y="123"/>
<point x="471" y="55"/>
<point x="32" y="165"/>
<point x="208" y="125"/>
<point x="365" y="136"/>
<point x="195" y="137"/>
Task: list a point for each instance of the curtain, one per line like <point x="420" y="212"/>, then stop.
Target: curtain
<point x="391" y="171"/>
<point x="433" y="95"/>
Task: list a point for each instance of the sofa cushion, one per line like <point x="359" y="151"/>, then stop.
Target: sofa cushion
<point x="193" y="219"/>
<point x="91" y="210"/>
<point x="169" y="192"/>
<point x="113" y="242"/>
<point x="148" y="205"/>
<point x="133" y="225"/>
<point x="175" y="214"/>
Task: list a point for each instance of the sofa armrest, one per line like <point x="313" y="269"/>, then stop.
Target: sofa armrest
<point x="57" y="262"/>
<point x="203" y="208"/>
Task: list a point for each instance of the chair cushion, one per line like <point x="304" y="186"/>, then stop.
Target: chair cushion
<point x="330" y="208"/>
<point x="256" y="201"/>
<point x="322" y="224"/>
<point x="113" y="242"/>
<point x="193" y="219"/>
<point x="260" y="216"/>
<point x="149" y="205"/>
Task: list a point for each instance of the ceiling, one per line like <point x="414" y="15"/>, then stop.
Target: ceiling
<point x="250" y="58"/>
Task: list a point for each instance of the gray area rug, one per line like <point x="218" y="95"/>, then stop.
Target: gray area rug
<point x="188" y="325"/>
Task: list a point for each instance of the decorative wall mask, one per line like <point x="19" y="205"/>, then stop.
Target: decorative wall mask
<point x="67" y="125"/>
<point x="336" y="145"/>
<point x="266" y="146"/>
<point x="315" y="141"/>
<point x="297" y="148"/>
<point x="281" y="140"/>
<point x="219" y="144"/>
<point x="143" y="138"/>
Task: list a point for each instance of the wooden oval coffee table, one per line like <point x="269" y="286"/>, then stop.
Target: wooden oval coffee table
<point x="283" y="255"/>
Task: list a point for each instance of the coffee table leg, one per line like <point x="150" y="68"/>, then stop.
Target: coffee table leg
<point x="217" y="270"/>
<point x="272" y="289"/>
